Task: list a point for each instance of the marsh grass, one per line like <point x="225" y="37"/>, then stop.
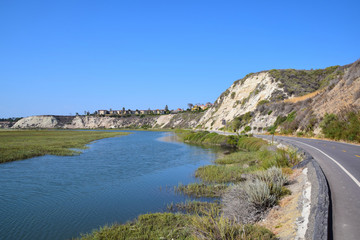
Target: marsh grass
<point x="147" y="226"/>
<point x="244" y="158"/>
<point x="22" y="144"/>
<point x="201" y="190"/>
<point x="251" y="143"/>
<point x="203" y="220"/>
<point x="193" y="207"/>
<point x="213" y="225"/>
<point x="221" y="173"/>
<point x="208" y="225"/>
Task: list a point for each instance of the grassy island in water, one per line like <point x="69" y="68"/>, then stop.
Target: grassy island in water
<point x="22" y="144"/>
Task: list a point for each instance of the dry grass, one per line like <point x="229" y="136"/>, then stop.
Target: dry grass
<point x="303" y="98"/>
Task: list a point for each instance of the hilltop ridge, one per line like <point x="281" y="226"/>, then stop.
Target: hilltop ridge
<point x="294" y="100"/>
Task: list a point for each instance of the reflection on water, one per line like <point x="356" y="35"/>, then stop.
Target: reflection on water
<point x="116" y="179"/>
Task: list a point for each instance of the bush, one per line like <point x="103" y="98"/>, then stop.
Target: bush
<point x="345" y="126"/>
<point x="262" y="102"/>
<point x="275" y="180"/>
<point x="300" y="134"/>
<point x="259" y="194"/>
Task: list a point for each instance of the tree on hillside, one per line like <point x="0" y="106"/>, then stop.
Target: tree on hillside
<point x="166" y="109"/>
<point x="190" y="105"/>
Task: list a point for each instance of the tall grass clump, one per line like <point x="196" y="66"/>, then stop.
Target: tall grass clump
<point x="193" y="207"/>
<point x="251" y="143"/>
<point x="201" y="190"/>
<point x="267" y="188"/>
<point x="249" y="201"/>
<point x="213" y="225"/>
<point x="259" y="194"/>
<point x="220" y="173"/>
<point x="203" y="137"/>
<point x="239" y="158"/>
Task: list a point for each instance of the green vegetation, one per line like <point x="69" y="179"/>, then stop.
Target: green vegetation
<point x="232" y="167"/>
<point x="241" y="157"/>
<point x="302" y="82"/>
<point x="147" y="226"/>
<point x="241" y="81"/>
<point x="239" y="122"/>
<point x="263" y="187"/>
<point x="209" y="225"/>
<point x="267" y="188"/>
<point x="251" y="143"/>
<point x="202" y="137"/>
<point x="193" y="207"/>
<point x="262" y="102"/>
<point x="201" y="190"/>
<point x="220" y="173"/>
<point x="13" y="119"/>
<point x="345" y="126"/>
<point x="288" y="124"/>
<point x="212" y="225"/>
<point x="22" y="144"/>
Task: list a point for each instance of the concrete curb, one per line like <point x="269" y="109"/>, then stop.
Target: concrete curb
<point x="319" y="227"/>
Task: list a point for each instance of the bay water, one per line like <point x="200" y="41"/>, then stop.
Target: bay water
<point x="113" y="181"/>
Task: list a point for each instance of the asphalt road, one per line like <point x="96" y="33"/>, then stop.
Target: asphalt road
<point x="340" y="163"/>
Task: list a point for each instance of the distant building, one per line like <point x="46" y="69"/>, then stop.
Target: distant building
<point x="131" y="112"/>
<point x="103" y="112"/>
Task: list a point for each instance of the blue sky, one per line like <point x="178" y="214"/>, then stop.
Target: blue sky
<point x="63" y="57"/>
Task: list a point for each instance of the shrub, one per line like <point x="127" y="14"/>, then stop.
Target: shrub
<point x="300" y="134"/>
<point x="259" y="194"/>
<point x="301" y="82"/>
<point x="262" y="102"/>
<point x="345" y="127"/>
<point x="275" y="180"/>
<point x="247" y="129"/>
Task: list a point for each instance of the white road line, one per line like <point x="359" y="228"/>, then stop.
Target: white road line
<point x="346" y="171"/>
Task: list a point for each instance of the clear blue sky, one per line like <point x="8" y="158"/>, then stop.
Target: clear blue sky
<point x="62" y="57"/>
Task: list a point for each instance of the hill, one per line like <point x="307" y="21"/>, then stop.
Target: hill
<point x="288" y="100"/>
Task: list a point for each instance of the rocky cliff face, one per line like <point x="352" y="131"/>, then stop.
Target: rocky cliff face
<point x="299" y="98"/>
<point x="259" y="100"/>
<point x="242" y="97"/>
<point x="181" y="120"/>
<point x="37" y="122"/>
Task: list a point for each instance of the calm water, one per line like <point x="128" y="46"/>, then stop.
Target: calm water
<point x="115" y="180"/>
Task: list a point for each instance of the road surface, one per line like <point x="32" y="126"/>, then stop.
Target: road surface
<point x="340" y="163"/>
